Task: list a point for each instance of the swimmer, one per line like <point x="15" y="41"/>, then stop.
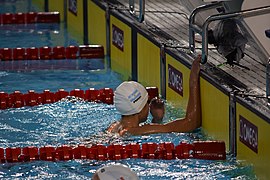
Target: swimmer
<point x="114" y="171"/>
<point x="131" y="101"/>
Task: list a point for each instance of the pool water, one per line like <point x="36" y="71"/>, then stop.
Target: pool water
<point x="72" y="121"/>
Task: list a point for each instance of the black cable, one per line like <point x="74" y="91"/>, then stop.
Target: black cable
<point x="170" y="12"/>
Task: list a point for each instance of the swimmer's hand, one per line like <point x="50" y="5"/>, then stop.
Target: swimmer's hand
<point x="117" y="128"/>
<point x="158" y="115"/>
<point x="157" y="110"/>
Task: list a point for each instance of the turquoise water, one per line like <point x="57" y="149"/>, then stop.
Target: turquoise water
<point x="74" y="122"/>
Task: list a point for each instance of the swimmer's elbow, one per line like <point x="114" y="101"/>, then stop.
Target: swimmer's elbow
<point x="195" y="123"/>
<point x="184" y="125"/>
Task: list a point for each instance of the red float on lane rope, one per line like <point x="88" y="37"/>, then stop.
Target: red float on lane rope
<point x="59" y="52"/>
<point x="32" y="53"/>
<point x="2" y="155"/>
<point x="71" y="52"/>
<point x="6" y="54"/>
<point x="7" y="18"/>
<point x="32" y="98"/>
<point x="31" y="17"/>
<point x="152" y="92"/>
<point x="19" y="18"/>
<point x="19" y="54"/>
<point x="47" y="153"/>
<point x="77" y="93"/>
<point x="16" y="100"/>
<point x="45" y="53"/>
<point x="81" y="152"/>
<point x="60" y="94"/>
<point x="91" y="51"/>
<point x="64" y="153"/>
<point x="93" y="95"/>
<point x="29" y="154"/>
<point x="12" y="154"/>
<point x="47" y="97"/>
<point x="3" y="100"/>
<point x="48" y="17"/>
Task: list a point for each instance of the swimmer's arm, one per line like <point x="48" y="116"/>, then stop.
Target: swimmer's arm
<point x="193" y="115"/>
<point x="179" y="125"/>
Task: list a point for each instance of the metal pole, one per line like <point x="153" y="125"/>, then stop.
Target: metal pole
<point x="232" y="125"/>
<point x="268" y="82"/>
<point x="85" y="22"/>
<point x="141" y="10"/>
<point x="163" y="71"/>
<point x="46" y="6"/>
<point x="194" y="28"/>
<point x="108" y="37"/>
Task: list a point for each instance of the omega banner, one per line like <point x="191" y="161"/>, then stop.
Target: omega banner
<point x="248" y="134"/>
<point x="175" y="81"/>
<point x="117" y="37"/>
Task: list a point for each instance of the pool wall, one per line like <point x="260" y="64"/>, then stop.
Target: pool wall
<point x="259" y="159"/>
<point x="137" y="54"/>
<point x="120" y="58"/>
<point x="97" y="25"/>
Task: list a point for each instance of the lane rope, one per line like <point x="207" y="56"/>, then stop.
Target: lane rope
<point x="29" y="18"/>
<point x="52" y="53"/>
<point x="32" y="98"/>
<point x="208" y="150"/>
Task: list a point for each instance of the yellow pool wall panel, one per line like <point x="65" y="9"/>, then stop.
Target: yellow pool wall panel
<point x="260" y="160"/>
<point x="96" y="25"/>
<point x="215" y="112"/>
<point x="58" y="7"/>
<point x="75" y="22"/>
<point x="172" y="96"/>
<point x="121" y="59"/>
<point x="148" y="59"/>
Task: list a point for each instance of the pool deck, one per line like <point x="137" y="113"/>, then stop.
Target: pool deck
<point x="171" y="18"/>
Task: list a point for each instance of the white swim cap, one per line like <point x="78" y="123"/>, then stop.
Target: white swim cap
<point x="116" y="172"/>
<point x="130" y="97"/>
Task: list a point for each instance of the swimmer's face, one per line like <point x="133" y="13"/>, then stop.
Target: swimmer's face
<point x="144" y="113"/>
